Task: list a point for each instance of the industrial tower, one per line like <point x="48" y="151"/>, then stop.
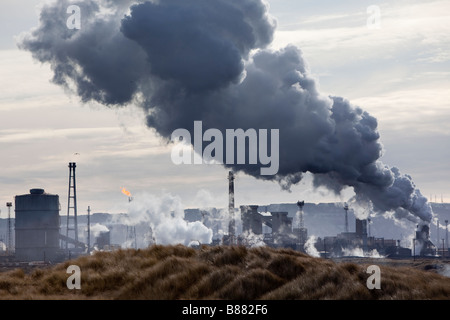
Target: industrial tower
<point x="302" y="232"/>
<point x="300" y="205"/>
<point x="346" y="217"/>
<point x="72" y="204"/>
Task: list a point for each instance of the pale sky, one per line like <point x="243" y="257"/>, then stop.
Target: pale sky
<point x="399" y="73"/>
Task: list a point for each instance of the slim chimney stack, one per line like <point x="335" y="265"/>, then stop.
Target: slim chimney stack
<point x="231" y="225"/>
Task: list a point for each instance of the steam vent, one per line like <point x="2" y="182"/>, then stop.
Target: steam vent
<point x="37" y="226"/>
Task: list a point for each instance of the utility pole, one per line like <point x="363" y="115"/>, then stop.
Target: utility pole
<point x="9" y="244"/>
<point x="231" y="224"/>
<point x="89" y="230"/>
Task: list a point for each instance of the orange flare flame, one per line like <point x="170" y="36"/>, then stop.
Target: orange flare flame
<point x="126" y="192"/>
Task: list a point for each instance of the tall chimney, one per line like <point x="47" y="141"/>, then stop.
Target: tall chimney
<point x="300" y="205"/>
<point x="346" y="217"/>
<point x="446" y="233"/>
<point x="437" y="231"/>
<point x="231" y="225"/>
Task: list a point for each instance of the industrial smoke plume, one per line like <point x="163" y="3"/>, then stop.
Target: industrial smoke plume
<point x="165" y="215"/>
<point x="208" y="60"/>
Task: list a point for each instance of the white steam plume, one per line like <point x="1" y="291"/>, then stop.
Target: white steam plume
<point x="98" y="228"/>
<point x="310" y="247"/>
<point x="165" y="215"/>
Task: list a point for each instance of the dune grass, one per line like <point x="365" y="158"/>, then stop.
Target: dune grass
<point x="178" y="272"/>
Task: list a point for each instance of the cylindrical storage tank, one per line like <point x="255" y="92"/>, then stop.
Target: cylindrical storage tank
<point x="37" y="226"/>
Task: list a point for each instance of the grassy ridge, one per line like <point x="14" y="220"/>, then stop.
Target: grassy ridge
<point x="178" y="272"/>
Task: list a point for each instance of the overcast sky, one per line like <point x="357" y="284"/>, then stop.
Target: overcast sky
<point x="399" y="73"/>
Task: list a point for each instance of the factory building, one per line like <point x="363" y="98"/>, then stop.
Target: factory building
<point x="341" y="244"/>
<point x="424" y="244"/>
<point x="276" y="229"/>
<point x="38" y="236"/>
<point x="281" y="233"/>
<point x="252" y="220"/>
<point x="103" y="240"/>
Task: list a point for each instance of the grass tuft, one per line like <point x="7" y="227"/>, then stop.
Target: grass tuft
<point x="220" y="272"/>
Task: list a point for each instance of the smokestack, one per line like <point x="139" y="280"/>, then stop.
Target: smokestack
<point x="446" y="233"/>
<point x="437" y="231"/>
<point x="231" y="225"/>
<point x="300" y="205"/>
<point x="346" y="217"/>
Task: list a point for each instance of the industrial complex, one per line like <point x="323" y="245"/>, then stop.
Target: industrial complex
<point x="41" y="234"/>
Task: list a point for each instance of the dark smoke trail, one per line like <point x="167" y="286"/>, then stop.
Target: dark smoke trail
<point x="206" y="60"/>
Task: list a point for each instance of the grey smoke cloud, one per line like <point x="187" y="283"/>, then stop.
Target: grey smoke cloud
<point x="184" y="61"/>
<point x="198" y="45"/>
